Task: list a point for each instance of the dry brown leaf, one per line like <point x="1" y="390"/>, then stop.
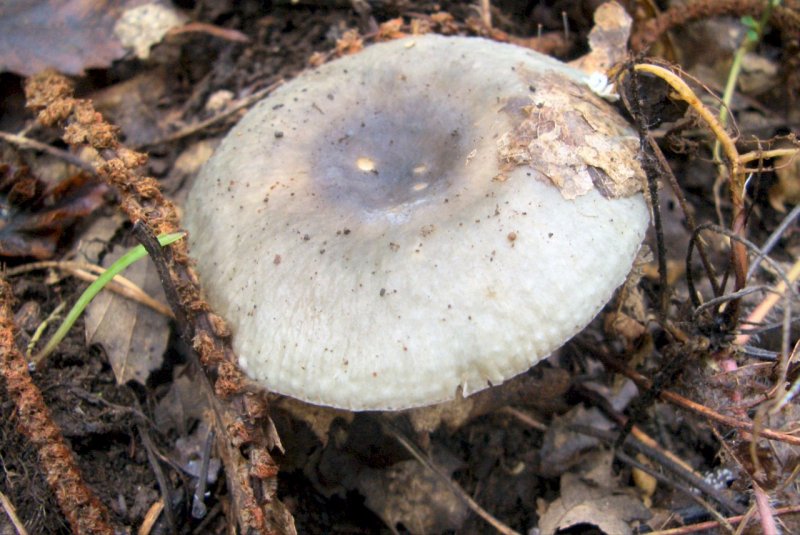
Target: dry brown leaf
<point x="620" y="324"/>
<point x="69" y="36"/>
<point x="572" y="138"/>
<point x="608" y="39"/>
<point x="390" y="29"/>
<point x="592" y="498"/>
<point x="184" y="403"/>
<point x="35" y="215"/>
<point x="407" y="493"/>
<point x="563" y="448"/>
<point x="133" y="105"/>
<point x="319" y="419"/>
<point x="74" y="35"/>
<point x="133" y="336"/>
<point x="787" y="189"/>
<point x="349" y="43"/>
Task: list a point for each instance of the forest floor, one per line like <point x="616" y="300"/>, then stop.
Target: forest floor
<point x="674" y="409"/>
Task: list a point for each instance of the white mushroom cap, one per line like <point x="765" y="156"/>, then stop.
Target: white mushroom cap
<point x="422" y="220"/>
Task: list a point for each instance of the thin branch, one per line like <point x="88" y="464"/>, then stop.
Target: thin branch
<point x="28" y="143"/>
<point x="702" y="410"/>
<point x="119" y="284"/>
<point x="11" y="513"/>
<point x="710" y="525"/>
<point x="425" y="461"/>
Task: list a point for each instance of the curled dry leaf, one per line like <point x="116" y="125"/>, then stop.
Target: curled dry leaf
<point x="75" y="35"/>
<point x="592" y="498"/>
<point x="563" y="448"/>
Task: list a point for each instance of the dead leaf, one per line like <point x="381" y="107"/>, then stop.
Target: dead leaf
<point x="390" y="29"/>
<point x="645" y="482"/>
<point x="96" y="236"/>
<point x="318" y="418"/>
<point x="349" y="43"/>
<point x="564" y="448"/>
<point x="133" y="336"/>
<point x="608" y="39"/>
<point x="787" y="189"/>
<point x="759" y="74"/>
<point x="407" y="493"/>
<point x="570" y="137"/>
<point x="69" y="36"/>
<point x="592" y="498"/>
<point x="34" y="218"/>
<point x="133" y="105"/>
<point x="181" y="407"/>
<point x="620" y="324"/>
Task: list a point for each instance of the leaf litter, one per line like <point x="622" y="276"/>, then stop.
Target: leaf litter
<point x="337" y="470"/>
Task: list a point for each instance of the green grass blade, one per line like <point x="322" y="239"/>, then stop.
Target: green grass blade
<point x="134" y="255"/>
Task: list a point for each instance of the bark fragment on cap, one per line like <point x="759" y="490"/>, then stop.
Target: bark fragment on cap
<point x="572" y="137"/>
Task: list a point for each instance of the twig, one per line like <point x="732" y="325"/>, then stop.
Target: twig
<point x="486" y="13"/>
<point x="768" y="526"/>
<point x="627" y="459"/>
<point x="652" y="171"/>
<point x="790" y="392"/>
<point x="736" y="179"/>
<point x="693" y="406"/>
<point x="711" y="303"/>
<point x="28" y="143"/>
<point x="40" y="329"/>
<point x="425" y="461"/>
<point x="651" y="31"/>
<point x="693" y="294"/>
<point x="760" y="312"/>
<point x="648" y="446"/>
<point x="687" y="213"/>
<point x="163" y="483"/>
<point x="198" y="498"/>
<point x="757" y="155"/>
<point x="202" y="125"/>
<point x="82" y="509"/>
<point x="773" y="239"/>
<point x="81" y="270"/>
<point x="785" y="285"/>
<point x="8" y="507"/>
<point x="705" y="526"/>
<point x="524" y="418"/>
<point x="151" y="517"/>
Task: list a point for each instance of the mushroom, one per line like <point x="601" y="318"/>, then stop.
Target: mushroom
<point x="417" y="222"/>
